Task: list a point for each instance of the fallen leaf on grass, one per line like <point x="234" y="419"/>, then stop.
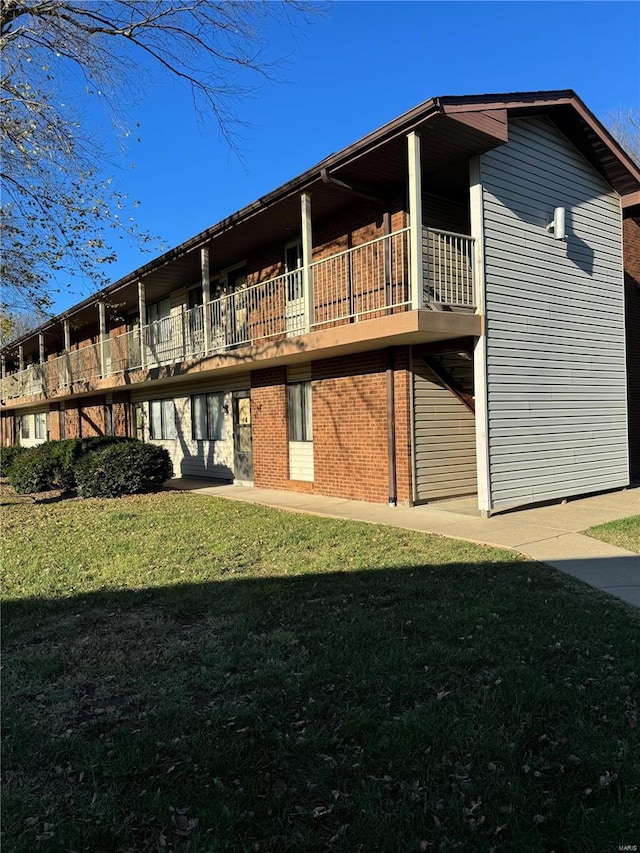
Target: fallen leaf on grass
<point x="183" y="824"/>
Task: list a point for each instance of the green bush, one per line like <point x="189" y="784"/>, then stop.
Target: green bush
<point x="122" y="469"/>
<point x="33" y="471"/>
<point x="7" y="456"/>
<point x="52" y="464"/>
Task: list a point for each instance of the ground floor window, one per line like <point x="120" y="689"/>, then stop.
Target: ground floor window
<point x="40" y="419"/>
<point x="207" y="417"/>
<point x="162" y="419"/>
<point x="24" y="427"/>
<point x="300" y="421"/>
<point x="108" y="419"/>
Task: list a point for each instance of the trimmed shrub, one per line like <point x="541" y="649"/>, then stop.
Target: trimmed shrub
<point x="122" y="469"/>
<point x="52" y="464"/>
<point x="7" y="455"/>
<point x="33" y="471"/>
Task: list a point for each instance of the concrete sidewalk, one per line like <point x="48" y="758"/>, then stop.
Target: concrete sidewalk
<point x="548" y="534"/>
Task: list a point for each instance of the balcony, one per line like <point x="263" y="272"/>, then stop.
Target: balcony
<point x="366" y="282"/>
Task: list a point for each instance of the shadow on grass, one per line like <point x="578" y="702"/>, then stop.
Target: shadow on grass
<point x="471" y="706"/>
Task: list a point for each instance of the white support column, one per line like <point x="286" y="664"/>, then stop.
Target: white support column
<point x="142" y="319"/>
<point x="307" y="247"/>
<point x="20" y="357"/>
<point x="102" y="320"/>
<point x="41" y="359"/>
<point x="4" y="368"/>
<point x="415" y="220"/>
<point x="206" y="298"/>
<point x="480" y="350"/>
<point x="67" y="352"/>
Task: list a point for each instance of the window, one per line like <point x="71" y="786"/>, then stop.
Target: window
<point x="162" y="419"/>
<point x="300" y="426"/>
<point x="207" y="417"/>
<point x="24" y="426"/>
<point x="108" y="419"/>
<point x="41" y="425"/>
<point x="159" y="320"/>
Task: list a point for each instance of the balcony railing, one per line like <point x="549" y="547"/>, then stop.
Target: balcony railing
<point x="363" y="282"/>
<point x="367" y="281"/>
<point x="447" y="262"/>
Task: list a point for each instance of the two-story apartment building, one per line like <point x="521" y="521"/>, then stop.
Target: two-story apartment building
<point x="437" y="310"/>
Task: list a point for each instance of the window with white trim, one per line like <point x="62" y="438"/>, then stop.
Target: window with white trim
<point x="207" y="417"/>
<point x="300" y="421"/>
<point x="24" y="426"/>
<point x="162" y="419"/>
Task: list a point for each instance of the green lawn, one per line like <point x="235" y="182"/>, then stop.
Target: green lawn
<point x="190" y="674"/>
<point x="624" y="533"/>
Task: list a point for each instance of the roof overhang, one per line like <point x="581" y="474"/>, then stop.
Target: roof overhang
<point x="453" y="129"/>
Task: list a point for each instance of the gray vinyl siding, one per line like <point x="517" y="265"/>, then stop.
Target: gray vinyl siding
<point x="555" y="363"/>
<point x="445" y="443"/>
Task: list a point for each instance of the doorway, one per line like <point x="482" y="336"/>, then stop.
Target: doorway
<point x="242" y="440"/>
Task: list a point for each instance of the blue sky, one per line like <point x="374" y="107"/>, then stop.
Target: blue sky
<point x="349" y="71"/>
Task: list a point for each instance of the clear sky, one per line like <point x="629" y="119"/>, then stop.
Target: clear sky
<point x="351" y="70"/>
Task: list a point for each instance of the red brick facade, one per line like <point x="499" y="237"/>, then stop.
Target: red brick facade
<point x="350" y="423"/>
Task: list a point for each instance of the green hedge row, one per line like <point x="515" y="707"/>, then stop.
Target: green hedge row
<point x="105" y="466"/>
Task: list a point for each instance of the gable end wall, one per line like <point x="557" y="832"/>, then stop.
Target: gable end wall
<point x="556" y="395"/>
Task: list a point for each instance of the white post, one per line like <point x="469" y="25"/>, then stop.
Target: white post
<point x="41" y="358"/>
<point x="480" y="350"/>
<point x="102" y="320"/>
<point x="415" y="219"/>
<point x="206" y="298"/>
<point x="142" y="319"/>
<point x="20" y="357"/>
<point x="4" y="368"/>
<point x="307" y="247"/>
<point x="67" y="351"/>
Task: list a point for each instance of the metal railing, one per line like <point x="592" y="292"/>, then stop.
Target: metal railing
<point x="268" y="310"/>
<point x="363" y="282"/>
<point x="448" y="267"/>
<point x="366" y="281"/>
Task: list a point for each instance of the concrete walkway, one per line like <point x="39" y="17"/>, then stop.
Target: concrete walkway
<point x="548" y="534"/>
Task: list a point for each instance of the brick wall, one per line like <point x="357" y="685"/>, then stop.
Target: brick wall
<point x="631" y="235"/>
<point x="121" y="415"/>
<point x="270" y="428"/>
<point x="349" y="403"/>
<point x="92" y="418"/>
<point x="54" y="422"/>
<point x="7" y="429"/>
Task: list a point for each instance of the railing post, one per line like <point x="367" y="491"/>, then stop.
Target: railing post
<point x="67" y="352"/>
<point x="307" y="246"/>
<point x="102" y="320"/>
<point x="415" y="220"/>
<point x="20" y="357"/>
<point x="206" y="298"/>
<point x="41" y="359"/>
<point x="142" y="319"/>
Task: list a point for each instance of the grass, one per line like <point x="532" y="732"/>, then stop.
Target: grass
<point x="189" y="674"/>
<point x="624" y="533"/>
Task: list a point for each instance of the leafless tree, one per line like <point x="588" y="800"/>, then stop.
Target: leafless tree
<point x="59" y="206"/>
<point x="624" y="124"/>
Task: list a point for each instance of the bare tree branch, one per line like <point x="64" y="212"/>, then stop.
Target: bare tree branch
<point x="59" y="208"/>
